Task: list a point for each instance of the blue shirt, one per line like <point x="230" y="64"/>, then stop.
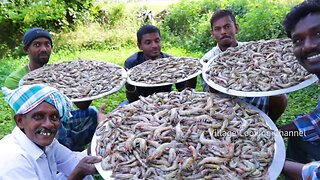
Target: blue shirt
<point x="309" y="125"/>
<point x="137" y="59"/>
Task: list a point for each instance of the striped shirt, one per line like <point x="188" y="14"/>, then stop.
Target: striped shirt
<point x="76" y="132"/>
<point x="309" y="126"/>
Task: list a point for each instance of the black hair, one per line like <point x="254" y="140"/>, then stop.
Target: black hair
<point x="298" y="12"/>
<point x="222" y="13"/>
<point x="146" y="29"/>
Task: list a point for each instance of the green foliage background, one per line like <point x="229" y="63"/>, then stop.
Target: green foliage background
<point x="188" y="22"/>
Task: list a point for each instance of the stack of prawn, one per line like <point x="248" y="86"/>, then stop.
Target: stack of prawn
<point x="165" y="70"/>
<point x="258" y="66"/>
<point x="185" y="135"/>
<point x="78" y="79"/>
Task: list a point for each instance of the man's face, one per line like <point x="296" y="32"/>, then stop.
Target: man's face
<point x="151" y="45"/>
<point x="40" y="125"/>
<point x="39" y="51"/>
<point x="306" y="42"/>
<point x="224" y="32"/>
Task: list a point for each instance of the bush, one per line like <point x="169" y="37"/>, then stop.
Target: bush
<point x="18" y="16"/>
<point x="54" y="15"/>
<point x="188" y="21"/>
<point x="263" y="21"/>
<point x="184" y="14"/>
<point x="200" y="39"/>
<point x="186" y="24"/>
<point x="238" y="7"/>
<point x="108" y="14"/>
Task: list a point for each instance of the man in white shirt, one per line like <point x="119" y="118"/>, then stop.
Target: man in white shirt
<point x="31" y="150"/>
<point x="223" y="30"/>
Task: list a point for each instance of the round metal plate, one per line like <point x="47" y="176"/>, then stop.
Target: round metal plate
<point x="274" y="169"/>
<point x="222" y="89"/>
<point x="113" y="90"/>
<point x="279" y="155"/>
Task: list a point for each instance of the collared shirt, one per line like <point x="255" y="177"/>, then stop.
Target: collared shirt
<point x="260" y="102"/>
<point x="137" y="59"/>
<point x="216" y="51"/>
<point x="311" y="171"/>
<point x="23" y="159"/>
<point x="309" y="125"/>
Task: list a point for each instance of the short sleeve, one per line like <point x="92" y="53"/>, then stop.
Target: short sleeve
<point x="309" y="126"/>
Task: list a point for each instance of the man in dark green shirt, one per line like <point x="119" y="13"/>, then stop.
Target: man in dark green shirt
<point x="77" y="131"/>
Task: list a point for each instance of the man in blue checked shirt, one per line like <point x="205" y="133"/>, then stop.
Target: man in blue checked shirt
<point x="77" y="131"/>
<point x="302" y="25"/>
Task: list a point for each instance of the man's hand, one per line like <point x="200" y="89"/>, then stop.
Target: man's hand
<point x="292" y="169"/>
<point x="101" y="116"/>
<point x="85" y="167"/>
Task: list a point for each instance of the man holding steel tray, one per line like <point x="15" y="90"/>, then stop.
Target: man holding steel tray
<point x="149" y="42"/>
<point x="224" y="29"/>
<point x="302" y="25"/>
<point x="75" y="132"/>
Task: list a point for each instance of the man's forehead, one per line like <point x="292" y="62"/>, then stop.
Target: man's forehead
<point x="150" y="36"/>
<point x="222" y="21"/>
<point x="312" y="20"/>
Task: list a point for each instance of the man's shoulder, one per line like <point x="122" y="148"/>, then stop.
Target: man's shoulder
<point x="10" y="149"/>
<point x="133" y="60"/>
<point x="210" y="54"/>
<point x="18" y="159"/>
<point x="19" y="72"/>
<point x="214" y="50"/>
<point x="12" y="81"/>
<point x="133" y="57"/>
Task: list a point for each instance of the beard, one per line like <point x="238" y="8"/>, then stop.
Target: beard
<point x="43" y="58"/>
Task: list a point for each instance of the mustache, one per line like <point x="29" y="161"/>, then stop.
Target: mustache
<point x="225" y="37"/>
<point x="44" y="53"/>
<point x="46" y="130"/>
